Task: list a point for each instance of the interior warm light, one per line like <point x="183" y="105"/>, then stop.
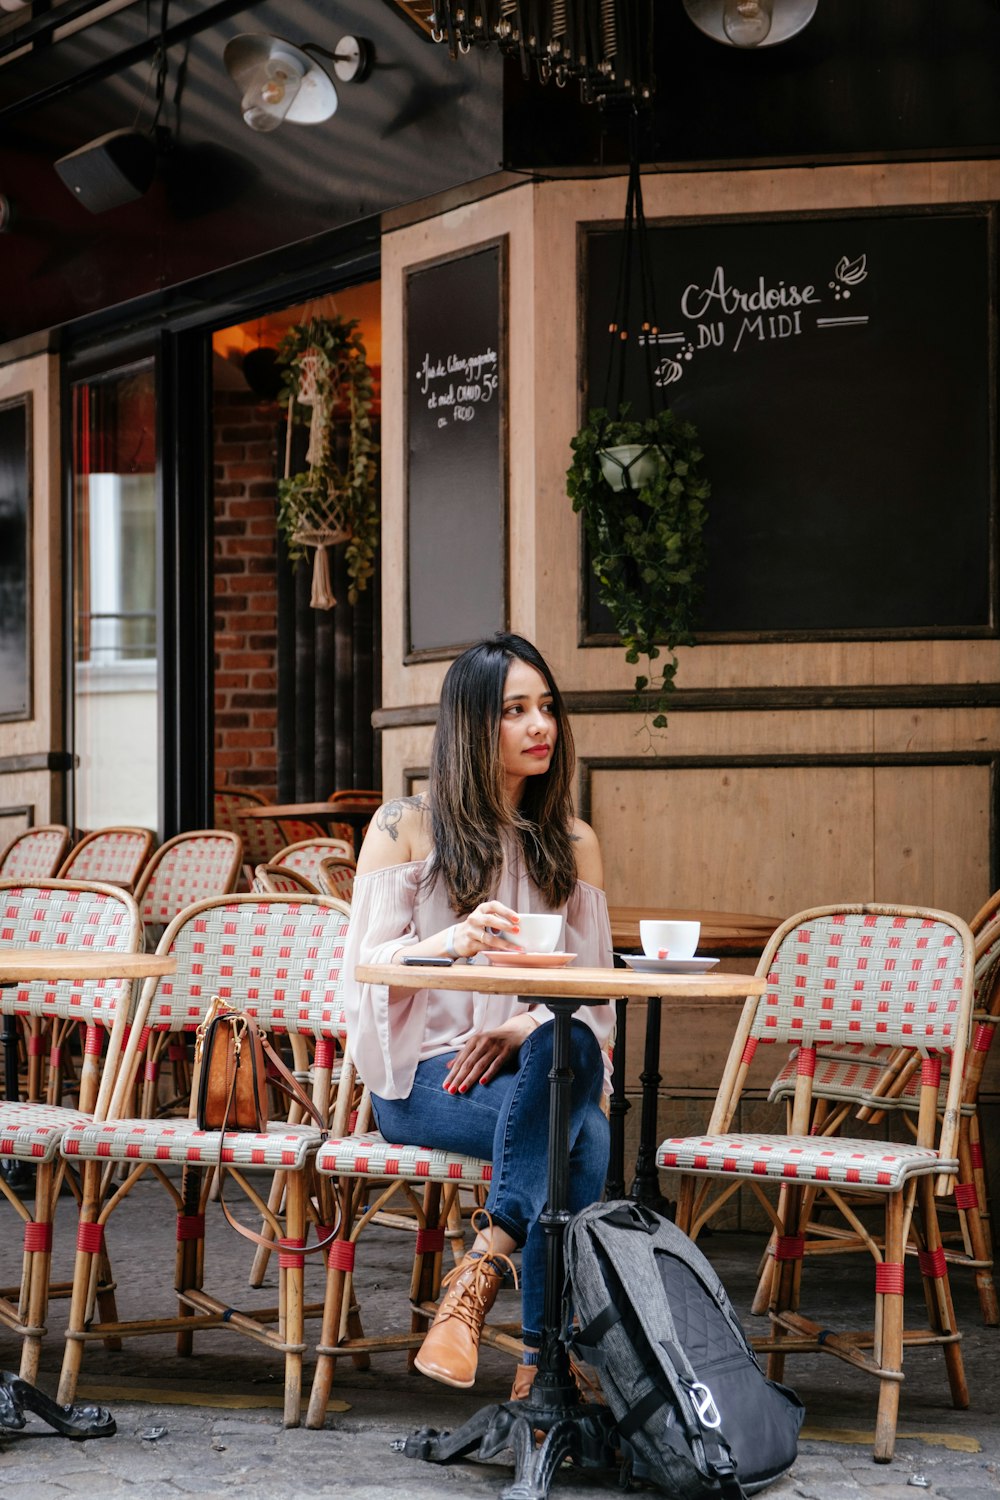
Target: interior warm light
<point x="747" y="23"/>
<point x="271" y="92"/>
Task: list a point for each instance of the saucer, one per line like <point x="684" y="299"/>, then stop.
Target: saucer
<point x="529" y="960"/>
<point x="644" y="965"/>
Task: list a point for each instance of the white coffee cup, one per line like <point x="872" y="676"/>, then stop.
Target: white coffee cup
<point x="540" y="931"/>
<point x="669" y="939"/>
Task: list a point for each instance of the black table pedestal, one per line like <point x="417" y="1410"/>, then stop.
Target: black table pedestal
<point x="79" y="1422"/>
<point x="645" y="1187"/>
<point x="571" y="1428"/>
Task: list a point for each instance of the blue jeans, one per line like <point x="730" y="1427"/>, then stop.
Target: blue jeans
<point x="507" y="1121"/>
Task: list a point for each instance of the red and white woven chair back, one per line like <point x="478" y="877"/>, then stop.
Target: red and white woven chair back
<point x="188" y="868"/>
<point x="336" y="878"/>
<point x="865" y="976"/>
<point x="35" y="854"/>
<point x="278" y="957"/>
<point x="282" y="880"/>
<point x="113" y="854"/>
<point x="54" y="914"/>
<point x="305" y="855"/>
<point x="262" y="837"/>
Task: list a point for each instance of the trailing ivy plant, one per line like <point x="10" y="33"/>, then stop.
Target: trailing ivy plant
<point x="325" y="360"/>
<point x="646" y="544"/>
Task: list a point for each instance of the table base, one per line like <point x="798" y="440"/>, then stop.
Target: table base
<point x="570" y="1428"/>
<point x="79" y="1422"/>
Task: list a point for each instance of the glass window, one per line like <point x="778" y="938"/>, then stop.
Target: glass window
<point x="115" y="599"/>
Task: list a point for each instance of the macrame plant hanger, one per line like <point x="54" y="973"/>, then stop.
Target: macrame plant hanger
<point x="326" y="524"/>
<point x="635" y="246"/>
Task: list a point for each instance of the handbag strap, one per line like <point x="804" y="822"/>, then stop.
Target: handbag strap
<point x="290" y="1085"/>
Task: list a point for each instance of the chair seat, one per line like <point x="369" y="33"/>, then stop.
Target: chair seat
<point x="804" y="1158"/>
<point x="32" y="1132"/>
<point x="173" y="1140"/>
<point x="370" y="1155"/>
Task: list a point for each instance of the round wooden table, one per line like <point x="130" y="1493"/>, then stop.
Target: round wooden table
<point x="570" y="1427"/>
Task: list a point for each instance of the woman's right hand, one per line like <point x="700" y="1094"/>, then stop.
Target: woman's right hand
<point x="492" y="926"/>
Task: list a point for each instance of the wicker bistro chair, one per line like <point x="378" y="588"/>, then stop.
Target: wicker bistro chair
<point x="869" y="1082"/>
<point x="55" y="914"/>
<point x="305" y="855"/>
<point x="263" y="838"/>
<point x="370" y="1175"/>
<point x="35" y="853"/>
<point x="336" y="877"/>
<point x="278" y="878"/>
<point x="115" y="855"/>
<point x="279" y="957"/>
<point x="189" y="867"/>
<point x="877" y="975"/>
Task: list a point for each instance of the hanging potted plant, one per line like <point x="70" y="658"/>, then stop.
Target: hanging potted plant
<point x="327" y="384"/>
<point x="636" y="483"/>
<point x="637" y="487"/>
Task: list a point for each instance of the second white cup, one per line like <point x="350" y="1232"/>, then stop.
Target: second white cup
<point x="540" y="931"/>
<point x="669" y="939"/>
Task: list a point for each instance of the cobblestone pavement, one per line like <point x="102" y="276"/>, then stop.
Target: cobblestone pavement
<point x="210" y="1426"/>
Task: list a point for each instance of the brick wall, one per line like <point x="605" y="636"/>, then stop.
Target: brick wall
<point x="246" y="623"/>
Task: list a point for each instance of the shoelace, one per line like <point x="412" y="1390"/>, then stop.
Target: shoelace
<point x="468" y="1301"/>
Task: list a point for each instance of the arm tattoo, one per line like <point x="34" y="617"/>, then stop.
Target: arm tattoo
<point x="389" y="814"/>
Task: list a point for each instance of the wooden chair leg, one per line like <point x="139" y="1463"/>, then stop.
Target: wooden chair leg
<point x="79" y="1311"/>
<point x="786" y="1280"/>
<point x="971" y="1208"/>
<point x="937" y="1289"/>
<point x="426" y="1277"/>
<point x="888" y="1350"/>
<point x="292" y="1295"/>
<point x="35" y="1280"/>
<point x="190" y="1253"/>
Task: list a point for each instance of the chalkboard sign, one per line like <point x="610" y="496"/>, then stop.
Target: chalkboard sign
<point x="456" y="449"/>
<point x="840" y="373"/>
<point x="15" y="559"/>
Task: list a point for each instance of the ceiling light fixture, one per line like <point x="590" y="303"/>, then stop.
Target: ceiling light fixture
<point x="751" y="23"/>
<point x="279" y="81"/>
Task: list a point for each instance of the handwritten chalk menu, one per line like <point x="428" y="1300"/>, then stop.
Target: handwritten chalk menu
<point x="456" y="442"/>
<point x="840" y="373"/>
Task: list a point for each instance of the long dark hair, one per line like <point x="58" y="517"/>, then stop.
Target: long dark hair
<point x="469" y="808"/>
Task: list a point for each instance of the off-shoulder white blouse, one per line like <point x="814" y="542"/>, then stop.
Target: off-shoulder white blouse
<point x="395" y="907"/>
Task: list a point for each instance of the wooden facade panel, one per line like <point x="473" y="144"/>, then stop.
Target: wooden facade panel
<point x="932" y="836"/>
<point x="767" y="839"/>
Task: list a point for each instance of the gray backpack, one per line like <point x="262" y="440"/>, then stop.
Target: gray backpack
<point x="695" y="1413"/>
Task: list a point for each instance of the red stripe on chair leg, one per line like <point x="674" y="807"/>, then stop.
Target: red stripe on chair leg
<point x="341" y="1256"/>
<point x="806" y="1063"/>
<point x="290" y="1254"/>
<point x="151" y="1071"/>
<point x="55" y="1056"/>
<point x="90" y="1237"/>
<point x="37" y="1237"/>
<point x="889" y="1279"/>
<point x="966" y="1196"/>
<point x="932" y="1263"/>
<point x="749" y="1049"/>
<point x="94" y="1043"/>
<point x="36" y="1046"/>
<point x="177" y="1052"/>
<point x="190" y="1226"/>
<point x="976" y="1154"/>
<point x="982" y="1038"/>
<point x="930" y="1072"/>
<point x="323" y="1056"/>
<point x="789" y="1247"/>
<point x="430" y="1241"/>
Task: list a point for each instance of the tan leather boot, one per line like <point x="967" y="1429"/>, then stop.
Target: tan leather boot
<point x="450" y="1352"/>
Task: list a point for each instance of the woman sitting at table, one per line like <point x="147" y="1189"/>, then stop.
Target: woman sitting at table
<point x="445" y="876"/>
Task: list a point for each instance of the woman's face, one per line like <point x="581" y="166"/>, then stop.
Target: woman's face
<point x="528" y="726"/>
